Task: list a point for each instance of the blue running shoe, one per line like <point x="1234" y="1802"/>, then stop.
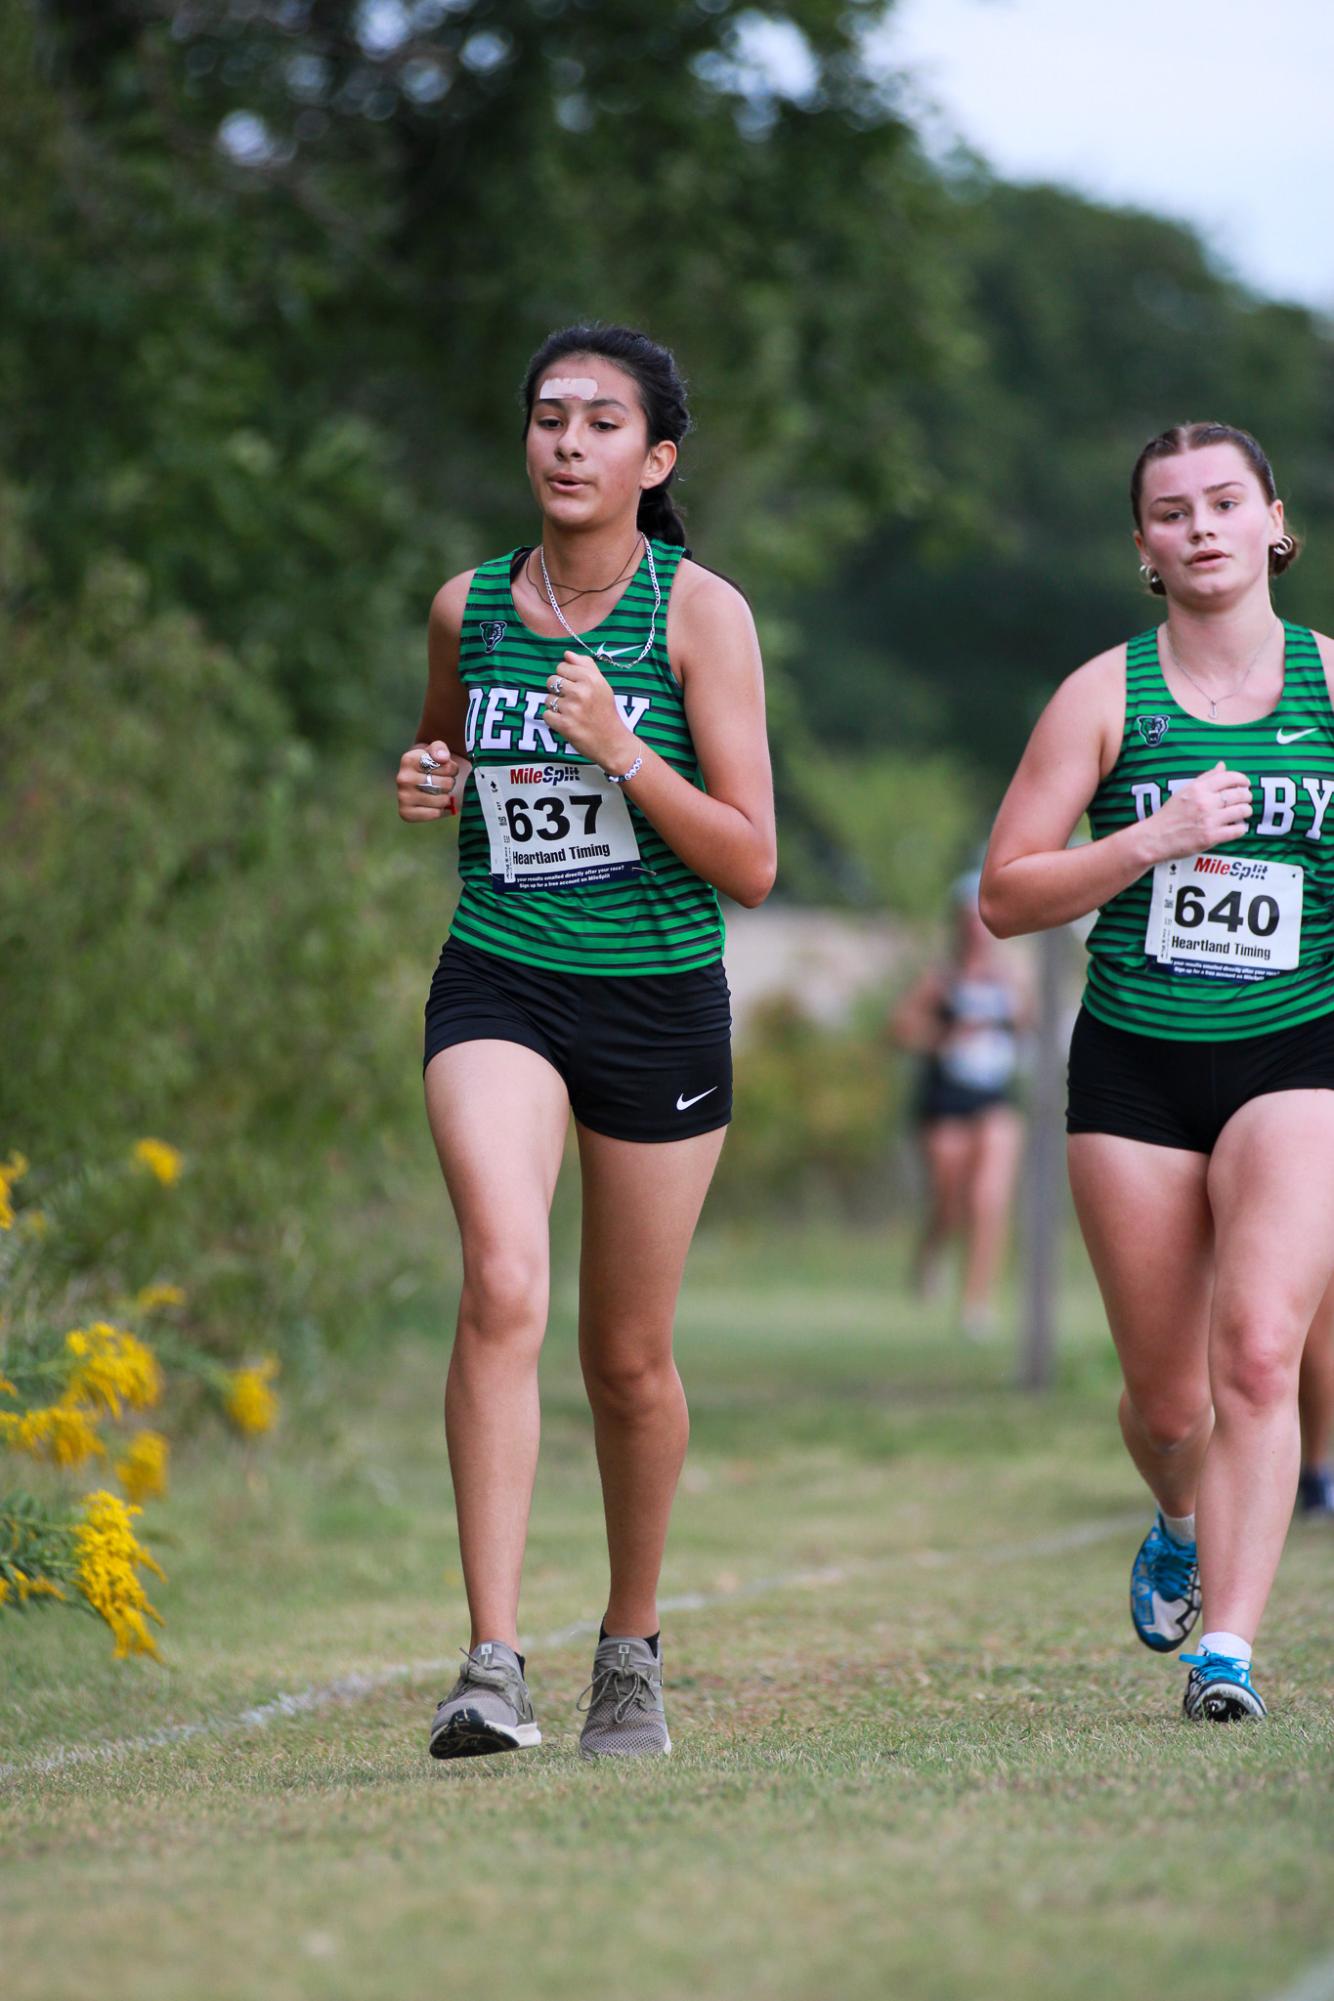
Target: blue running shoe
<point x="1218" y="1690"/>
<point x="1164" y="1590"/>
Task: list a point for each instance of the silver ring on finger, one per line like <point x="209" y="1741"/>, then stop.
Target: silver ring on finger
<point x="553" y="706"/>
<point x="557" y="685"/>
<point x="429" y="785"/>
<point x="427" y="762"/>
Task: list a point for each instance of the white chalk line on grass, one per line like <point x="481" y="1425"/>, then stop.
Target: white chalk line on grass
<point x="355" y="1687"/>
<point x="1316" y="1984"/>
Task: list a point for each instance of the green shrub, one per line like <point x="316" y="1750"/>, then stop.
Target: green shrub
<point x="212" y="934"/>
<point x="893" y="828"/>
<point x="817" y="1115"/>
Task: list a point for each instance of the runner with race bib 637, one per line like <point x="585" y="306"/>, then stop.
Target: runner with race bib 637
<point x="598" y="701"/>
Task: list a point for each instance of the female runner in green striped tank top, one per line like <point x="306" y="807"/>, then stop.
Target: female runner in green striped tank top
<point x="1201" y="1113"/>
<point x="597" y="702"/>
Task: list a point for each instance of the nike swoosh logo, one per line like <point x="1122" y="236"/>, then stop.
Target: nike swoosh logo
<point x="1291" y="736"/>
<point x="612" y="652"/>
<point x="684" y="1104"/>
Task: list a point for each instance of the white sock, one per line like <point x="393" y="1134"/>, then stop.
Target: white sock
<point x="1230" y="1644"/>
<point x="1181" y="1528"/>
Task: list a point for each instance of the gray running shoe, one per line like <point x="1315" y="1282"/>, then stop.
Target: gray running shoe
<point x="625" y="1717"/>
<point x="488" y="1708"/>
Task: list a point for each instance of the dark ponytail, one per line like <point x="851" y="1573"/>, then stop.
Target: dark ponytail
<point x="657" y="516"/>
<point x="662" y="397"/>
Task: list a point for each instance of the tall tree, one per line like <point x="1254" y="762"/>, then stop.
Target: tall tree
<point x="1099" y="327"/>
<point x="326" y="237"/>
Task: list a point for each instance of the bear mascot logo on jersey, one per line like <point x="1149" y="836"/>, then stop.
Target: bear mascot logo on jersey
<point x="1152" y="728"/>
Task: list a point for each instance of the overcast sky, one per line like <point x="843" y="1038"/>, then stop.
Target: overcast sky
<point x="1220" y="113"/>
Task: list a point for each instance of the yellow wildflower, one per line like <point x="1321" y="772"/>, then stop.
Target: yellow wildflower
<point x="142" y="1470"/>
<point x="251" y="1404"/>
<point x="109" y="1555"/>
<point x="7" y="1387"/>
<point x="31" y="1587"/>
<point x="160" y="1159"/>
<point x="62" y="1433"/>
<point x="11" y="1170"/>
<point x="112" y="1367"/>
<point x="154" y="1297"/>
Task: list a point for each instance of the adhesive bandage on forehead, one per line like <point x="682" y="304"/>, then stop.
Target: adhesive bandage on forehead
<point x="557" y="386"/>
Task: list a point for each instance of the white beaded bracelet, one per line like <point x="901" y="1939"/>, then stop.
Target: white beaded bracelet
<point x="625" y="776"/>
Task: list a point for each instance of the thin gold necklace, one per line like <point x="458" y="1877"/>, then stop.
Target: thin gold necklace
<point x="1232" y="693"/>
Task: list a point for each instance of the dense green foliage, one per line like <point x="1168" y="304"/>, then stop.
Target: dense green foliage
<point x="1101" y="328"/>
<point x="204" y="927"/>
<point x="272" y="272"/>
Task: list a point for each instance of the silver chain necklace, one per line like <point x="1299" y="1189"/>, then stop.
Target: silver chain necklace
<point x="1232" y="693"/>
<point x="602" y="652"/>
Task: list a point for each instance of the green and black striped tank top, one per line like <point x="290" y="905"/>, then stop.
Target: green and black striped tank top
<point x="654" y="917"/>
<point x="1288" y="756"/>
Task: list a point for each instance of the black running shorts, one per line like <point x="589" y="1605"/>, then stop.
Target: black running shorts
<point x="1183" y="1093"/>
<point x="644" y="1057"/>
<point x="940" y="1097"/>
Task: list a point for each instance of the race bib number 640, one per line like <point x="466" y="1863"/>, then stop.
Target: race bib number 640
<point x="1219" y="917"/>
<point x="555" y="826"/>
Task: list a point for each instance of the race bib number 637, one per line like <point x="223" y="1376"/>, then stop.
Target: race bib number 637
<point x="1221" y="917"/>
<point x="555" y="826"/>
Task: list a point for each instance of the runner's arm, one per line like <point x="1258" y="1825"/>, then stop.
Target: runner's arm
<point x="726" y="834"/>
<point x="915" y="1023"/>
<point x="1325" y="648"/>
<point x="440" y="732"/>
<point x="445" y="707"/>
<point x="1031" y="881"/>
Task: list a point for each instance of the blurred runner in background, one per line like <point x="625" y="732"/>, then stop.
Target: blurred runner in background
<point x="963" y="1019"/>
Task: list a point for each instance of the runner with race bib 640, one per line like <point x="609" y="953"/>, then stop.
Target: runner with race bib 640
<point x="1201" y="1111"/>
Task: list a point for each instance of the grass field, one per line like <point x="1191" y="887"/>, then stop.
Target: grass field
<point x="918" y="1751"/>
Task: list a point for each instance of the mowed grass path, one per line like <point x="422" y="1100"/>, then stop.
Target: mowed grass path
<point x="936" y="1766"/>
